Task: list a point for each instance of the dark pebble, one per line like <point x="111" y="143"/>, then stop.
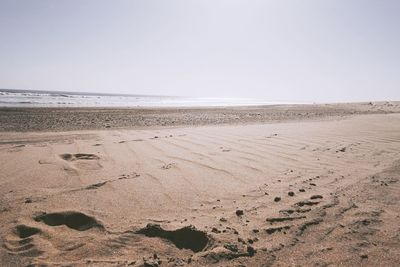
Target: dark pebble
<point x="239" y="212"/>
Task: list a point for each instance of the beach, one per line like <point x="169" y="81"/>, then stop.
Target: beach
<point x="279" y="185"/>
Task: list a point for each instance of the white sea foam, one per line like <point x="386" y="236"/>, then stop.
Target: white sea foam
<point x="30" y="98"/>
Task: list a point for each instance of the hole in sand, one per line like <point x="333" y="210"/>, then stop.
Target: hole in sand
<point x="24" y="231"/>
<point x="184" y="238"/>
<point x="86" y="156"/>
<point x="74" y="220"/>
<point x="66" y="156"/>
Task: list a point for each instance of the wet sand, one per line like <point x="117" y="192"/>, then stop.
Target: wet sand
<point x="298" y="188"/>
<point x="71" y="119"/>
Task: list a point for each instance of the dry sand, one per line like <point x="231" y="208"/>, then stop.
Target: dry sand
<point x="312" y="190"/>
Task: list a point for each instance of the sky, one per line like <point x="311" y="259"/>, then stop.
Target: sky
<point x="282" y="50"/>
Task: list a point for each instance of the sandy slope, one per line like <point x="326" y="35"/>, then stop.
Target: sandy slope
<point x="85" y="198"/>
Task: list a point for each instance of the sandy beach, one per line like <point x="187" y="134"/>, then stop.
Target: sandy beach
<point x="289" y="185"/>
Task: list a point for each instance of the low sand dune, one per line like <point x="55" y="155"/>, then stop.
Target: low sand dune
<point x="296" y="193"/>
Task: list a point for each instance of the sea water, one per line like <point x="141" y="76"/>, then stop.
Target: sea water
<point x="33" y="98"/>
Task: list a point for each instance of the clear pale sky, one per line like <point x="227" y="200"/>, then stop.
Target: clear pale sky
<point x="298" y="50"/>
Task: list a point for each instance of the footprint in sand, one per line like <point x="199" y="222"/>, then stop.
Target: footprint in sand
<point x="21" y="242"/>
<point x="23" y="231"/>
<point x="81" y="161"/>
<point x="168" y="166"/>
<point x="79" y="156"/>
<point x="23" y="238"/>
<point x="184" y="238"/>
<point x="72" y="219"/>
<point x="16" y="148"/>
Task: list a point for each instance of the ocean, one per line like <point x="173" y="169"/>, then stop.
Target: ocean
<point x="34" y="98"/>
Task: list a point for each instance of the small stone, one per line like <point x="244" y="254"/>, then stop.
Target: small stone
<point x="251" y="251"/>
<point x="277" y="199"/>
<point x="302" y="190"/>
<point x="223" y="219"/>
<point x="215" y="230"/>
<point x="239" y="212"/>
<point x="291" y="194"/>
